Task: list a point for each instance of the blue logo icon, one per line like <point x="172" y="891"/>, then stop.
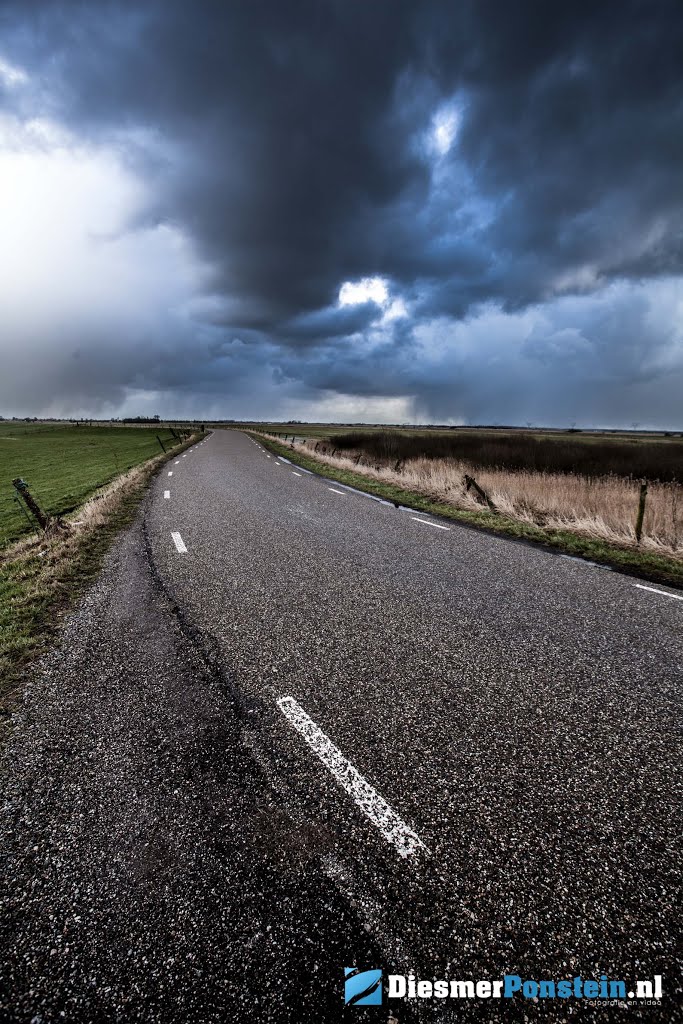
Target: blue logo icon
<point x="362" y="988"/>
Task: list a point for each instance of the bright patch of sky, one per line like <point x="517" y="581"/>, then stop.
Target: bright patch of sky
<point x="368" y="289"/>
<point x="445" y="124"/>
<point x="335" y="407"/>
<point x="395" y="311"/>
<point x="87" y="292"/>
<point x="11" y="75"/>
<point x="373" y="289"/>
<point x="58" y="234"/>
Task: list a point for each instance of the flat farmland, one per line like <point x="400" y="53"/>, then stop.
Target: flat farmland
<point x="602" y="447"/>
<point x="64" y="464"/>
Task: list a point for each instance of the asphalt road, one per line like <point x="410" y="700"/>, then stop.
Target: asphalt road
<point x="306" y="730"/>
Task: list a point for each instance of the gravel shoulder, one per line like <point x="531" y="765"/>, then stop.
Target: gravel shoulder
<point x="149" y="871"/>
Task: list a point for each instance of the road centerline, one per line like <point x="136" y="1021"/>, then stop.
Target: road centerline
<point x="179" y="543"/>
<point x="366" y="798"/>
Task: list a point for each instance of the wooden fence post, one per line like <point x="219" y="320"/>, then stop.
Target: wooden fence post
<point x="641" y="510"/>
<point x="22" y="489"/>
<point x="471" y="482"/>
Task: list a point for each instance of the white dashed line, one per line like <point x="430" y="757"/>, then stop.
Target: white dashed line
<point x="664" y="593"/>
<point x="167" y="494"/>
<point x="177" y="462"/>
<point x="170" y="472"/>
<point x="295" y="473"/>
<point x="179" y="543"/>
<point x="427" y="522"/>
<point x="185" y="455"/>
<point x="335" y="491"/>
<point x="367" y="799"/>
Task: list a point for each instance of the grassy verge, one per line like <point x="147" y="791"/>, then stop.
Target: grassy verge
<point x="64" y="464"/>
<point x="646" y="564"/>
<point x="42" y="576"/>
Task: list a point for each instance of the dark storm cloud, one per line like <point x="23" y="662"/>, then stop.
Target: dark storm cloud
<point x="297" y="152"/>
<point x="283" y="118"/>
<point x="329" y="323"/>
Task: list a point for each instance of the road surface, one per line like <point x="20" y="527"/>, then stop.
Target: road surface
<point x="294" y="729"/>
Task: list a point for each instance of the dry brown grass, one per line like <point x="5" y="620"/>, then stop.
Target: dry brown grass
<point x="603" y="508"/>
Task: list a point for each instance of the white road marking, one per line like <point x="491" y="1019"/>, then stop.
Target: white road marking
<point x="427" y="522"/>
<point x="167" y="494"/>
<point x="179" y="543"/>
<point x="585" y="561"/>
<point x="170" y="472"/>
<point x="335" y="492"/>
<point x="665" y="593"/>
<point x="365" y="494"/>
<point x="367" y="799"/>
<point x="295" y="474"/>
<point x="177" y="462"/>
<point x="185" y="455"/>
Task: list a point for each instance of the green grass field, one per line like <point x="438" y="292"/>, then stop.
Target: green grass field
<point x="64" y="464"/>
<point x="42" y="580"/>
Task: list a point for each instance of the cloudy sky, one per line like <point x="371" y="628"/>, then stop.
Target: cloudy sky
<point x="381" y="210"/>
